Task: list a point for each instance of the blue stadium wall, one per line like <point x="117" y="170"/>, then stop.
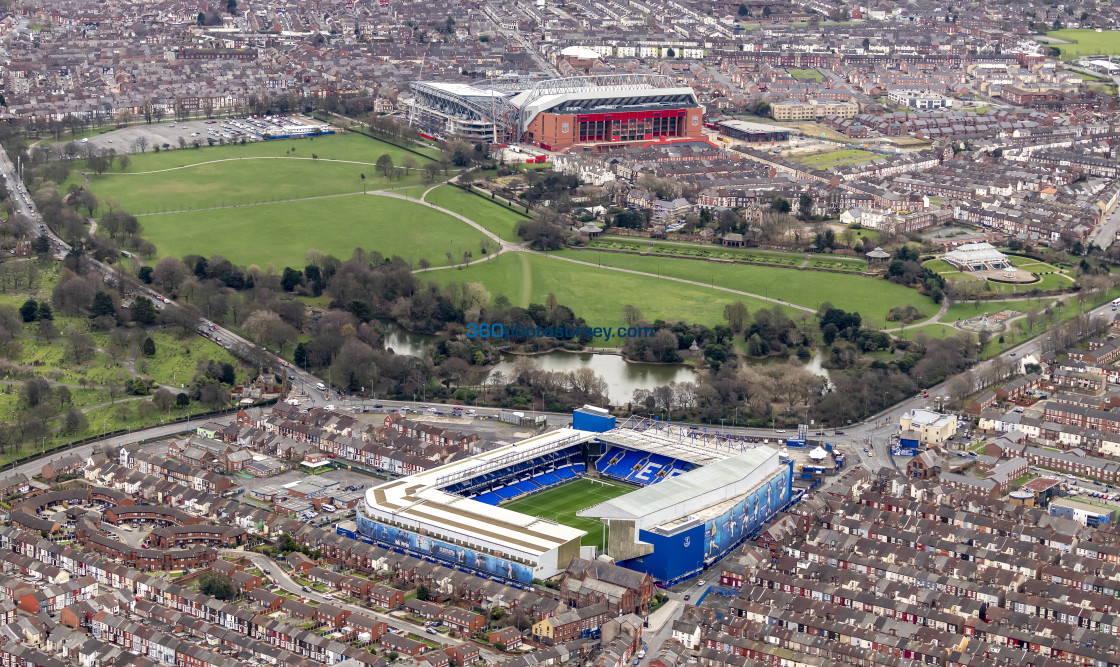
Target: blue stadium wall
<point x="453" y="555"/>
<point x="589" y="421"/>
<point x="684" y="554"/>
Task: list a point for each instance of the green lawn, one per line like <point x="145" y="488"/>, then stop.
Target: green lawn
<point x="282" y="233"/>
<point x="967" y="309"/>
<point x="560" y="504"/>
<point x="494" y="217"/>
<point x="597" y="295"/>
<point x="844" y="156"/>
<point x="175" y="360"/>
<point x="806" y="74"/>
<point x="231" y="182"/>
<point x="1086" y="42"/>
<point x="871" y="297"/>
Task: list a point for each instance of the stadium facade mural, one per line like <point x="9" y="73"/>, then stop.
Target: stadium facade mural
<point x="456" y="556"/>
<point x="684" y="553"/>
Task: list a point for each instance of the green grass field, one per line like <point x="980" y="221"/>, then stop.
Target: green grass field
<point x="227" y="183"/>
<point x="597" y="295"/>
<point x="830" y="158"/>
<point x="282" y="233"/>
<point x="1086" y="42"/>
<point x="871" y="297"/>
<point x="561" y="504"/>
<point x="496" y="218"/>
<point x="806" y="74"/>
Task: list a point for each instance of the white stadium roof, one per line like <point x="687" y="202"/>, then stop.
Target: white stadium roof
<point x="691" y="492"/>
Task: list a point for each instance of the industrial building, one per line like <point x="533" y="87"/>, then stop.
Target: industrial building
<point x="557" y="114"/>
<point x="752" y="132"/>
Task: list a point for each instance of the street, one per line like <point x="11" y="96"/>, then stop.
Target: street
<point x="280" y="576"/>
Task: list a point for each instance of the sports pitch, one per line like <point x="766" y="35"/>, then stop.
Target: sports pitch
<point x="561" y="504"/>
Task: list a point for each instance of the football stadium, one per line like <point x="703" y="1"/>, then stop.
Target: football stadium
<point x="560" y="113"/>
<point x="651" y="496"/>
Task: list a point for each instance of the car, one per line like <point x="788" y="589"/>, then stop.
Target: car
<point x="700" y="583"/>
<point x="780" y="430"/>
<point x="925" y="395"/>
<point x="267" y="571"/>
<point x="166" y="300"/>
<point x="865" y="450"/>
<point x="430" y="631"/>
<point x="837" y="433"/>
<point x="85" y="141"/>
<point x="328" y="596"/>
<point x="110" y="141"/>
<point x="330" y="407"/>
<point x="305" y="589"/>
<point x="377" y="405"/>
<point x="687" y="598"/>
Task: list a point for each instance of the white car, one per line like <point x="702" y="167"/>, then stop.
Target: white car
<point x="166" y="300"/>
<point x="330" y="407"/>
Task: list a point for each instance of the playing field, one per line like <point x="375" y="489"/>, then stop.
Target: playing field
<point x="598" y="295"/>
<point x="280" y="234"/>
<point x="561" y="504"/>
<point x="871" y="297"/>
<point x="1087" y="42"/>
<point x="838" y="157"/>
<point x="214" y="180"/>
<point x="494" y="217"/>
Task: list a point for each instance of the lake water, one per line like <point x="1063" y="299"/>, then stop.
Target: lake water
<point x="622" y="377"/>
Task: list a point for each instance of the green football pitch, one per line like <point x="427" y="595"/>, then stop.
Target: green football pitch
<point x="561" y="504"/>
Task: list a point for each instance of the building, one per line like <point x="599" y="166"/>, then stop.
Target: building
<point x="1083" y="512"/>
<point x="917" y="99"/>
<point x="977" y="257"/>
<point x="812" y="110"/>
<point x="573" y="624"/>
<point x="676" y="527"/>
<point x="416" y="515"/>
<point x="509" y="637"/>
<point x="752" y="132"/>
<point x="559" y="113"/>
<point x="929" y="427"/>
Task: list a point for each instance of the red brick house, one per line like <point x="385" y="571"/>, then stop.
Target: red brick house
<point x="509" y="637"/>
<point x="331" y="616"/>
<point x="403" y="645"/>
<point x="466" y="622"/>
<point x="463" y="654"/>
<point x="386" y="597"/>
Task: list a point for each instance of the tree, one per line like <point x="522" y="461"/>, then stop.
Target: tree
<point x="182" y="400"/>
<point x="144" y="311"/>
<point x="123" y="161"/>
<point x="867" y="43"/>
<point x="102" y="305"/>
<point x="300" y="355"/>
<point x="148" y="347"/>
<point x="766" y="11"/>
<point x="805" y="206"/>
<point x="431" y="171"/>
<point x="736" y="315"/>
<point x="780" y="205"/>
<point x="45" y="312"/>
<point x="201" y="18"/>
<point x="670" y="53"/>
<point x="291" y="279"/>
<point x="29" y="311"/>
<point x="169" y="274"/>
<point x="217" y="585"/>
<point x="82" y="346"/>
<point x="422" y="592"/>
<point x="75" y="421"/>
<point x="385" y="165"/>
<point x="744" y="10"/>
<point x="631" y="315"/>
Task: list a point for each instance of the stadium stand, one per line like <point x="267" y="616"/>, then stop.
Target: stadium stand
<point x="641" y="468"/>
<point x="489" y="498"/>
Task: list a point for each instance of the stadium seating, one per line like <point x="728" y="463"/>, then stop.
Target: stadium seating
<point x="509" y="492"/>
<point x="641" y="468"/>
<point x="525" y="487"/>
<point x="547" y="479"/>
<point x="489" y="498"/>
<point x="565" y="473"/>
<point x="579" y="468"/>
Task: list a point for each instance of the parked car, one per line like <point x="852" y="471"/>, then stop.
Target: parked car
<point x="305" y="589"/>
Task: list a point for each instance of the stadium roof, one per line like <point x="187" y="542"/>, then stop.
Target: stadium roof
<point x="680" y="490"/>
<point x="417" y="499"/>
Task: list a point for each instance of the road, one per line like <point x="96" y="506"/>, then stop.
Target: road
<point x="283" y="580"/>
